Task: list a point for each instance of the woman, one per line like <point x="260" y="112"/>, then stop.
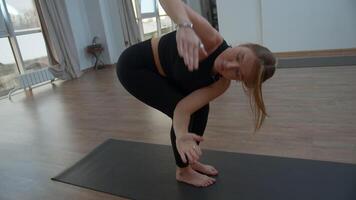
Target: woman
<point x="181" y="72"/>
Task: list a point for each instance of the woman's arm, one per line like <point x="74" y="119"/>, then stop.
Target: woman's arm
<point x="188" y="43"/>
<point x="194" y="101"/>
<point x="186" y="142"/>
<point x="208" y="35"/>
<point x="175" y="10"/>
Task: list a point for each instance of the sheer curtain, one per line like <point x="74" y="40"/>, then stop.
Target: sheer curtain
<point x="59" y="39"/>
<point x="128" y="22"/>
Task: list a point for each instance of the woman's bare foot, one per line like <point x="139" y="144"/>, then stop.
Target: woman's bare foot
<point x="192" y="177"/>
<point x="205" y="169"/>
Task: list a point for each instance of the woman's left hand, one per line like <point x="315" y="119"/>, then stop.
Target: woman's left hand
<point x="188" y="44"/>
<point x="187" y="147"/>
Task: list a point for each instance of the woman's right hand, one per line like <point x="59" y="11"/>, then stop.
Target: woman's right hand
<point x="188" y="148"/>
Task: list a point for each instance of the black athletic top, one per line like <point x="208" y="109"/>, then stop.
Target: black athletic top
<point x="177" y="72"/>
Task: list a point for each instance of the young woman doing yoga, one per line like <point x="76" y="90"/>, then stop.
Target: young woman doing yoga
<point x="182" y="71"/>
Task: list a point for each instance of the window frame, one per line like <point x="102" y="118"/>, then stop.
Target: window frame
<point x="12" y="36"/>
<point x="140" y="16"/>
<point x="3" y="30"/>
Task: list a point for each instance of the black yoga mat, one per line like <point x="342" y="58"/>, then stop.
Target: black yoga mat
<point x="147" y="171"/>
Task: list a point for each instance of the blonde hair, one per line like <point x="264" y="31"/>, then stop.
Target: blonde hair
<point x="263" y="69"/>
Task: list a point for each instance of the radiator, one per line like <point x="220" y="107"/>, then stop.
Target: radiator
<point x="27" y="80"/>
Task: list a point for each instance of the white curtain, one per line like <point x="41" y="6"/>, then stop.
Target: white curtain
<point x="128" y="22"/>
<point x="59" y="39"/>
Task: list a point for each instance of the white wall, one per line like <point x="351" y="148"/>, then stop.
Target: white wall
<point x="113" y="30"/>
<point x="309" y="25"/>
<point x="100" y="18"/>
<point x="240" y="21"/>
<point x="287" y="25"/>
<point x="96" y="24"/>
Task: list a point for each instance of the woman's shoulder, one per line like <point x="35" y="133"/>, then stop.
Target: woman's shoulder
<point x="219" y="40"/>
<point x="214" y="43"/>
<point x="219" y="37"/>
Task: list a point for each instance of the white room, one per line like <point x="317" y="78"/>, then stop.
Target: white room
<point x="177" y="99"/>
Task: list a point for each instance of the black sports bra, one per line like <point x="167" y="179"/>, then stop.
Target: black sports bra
<point x="177" y="72"/>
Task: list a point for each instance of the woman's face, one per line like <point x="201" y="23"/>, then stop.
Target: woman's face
<point x="236" y="63"/>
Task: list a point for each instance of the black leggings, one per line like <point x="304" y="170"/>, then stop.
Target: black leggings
<point x="137" y="73"/>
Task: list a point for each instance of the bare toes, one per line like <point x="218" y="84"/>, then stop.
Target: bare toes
<point x="207" y="184"/>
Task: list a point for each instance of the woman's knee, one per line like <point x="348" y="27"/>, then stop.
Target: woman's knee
<point x="125" y="65"/>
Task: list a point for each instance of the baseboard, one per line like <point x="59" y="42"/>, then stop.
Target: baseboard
<point x="92" y="67"/>
<point x="330" y="61"/>
<point x="318" y="53"/>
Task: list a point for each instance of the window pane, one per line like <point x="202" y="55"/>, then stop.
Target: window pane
<point x="149" y="27"/>
<point x="33" y="51"/>
<point x="160" y="10"/>
<point x="23" y="14"/>
<point x="8" y="70"/>
<point x="166" y="24"/>
<point x="147" y="6"/>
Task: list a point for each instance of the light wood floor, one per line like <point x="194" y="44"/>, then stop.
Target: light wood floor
<point x="312" y="116"/>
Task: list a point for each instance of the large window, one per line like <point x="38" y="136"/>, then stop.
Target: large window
<point x="151" y="18"/>
<point x="22" y="46"/>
